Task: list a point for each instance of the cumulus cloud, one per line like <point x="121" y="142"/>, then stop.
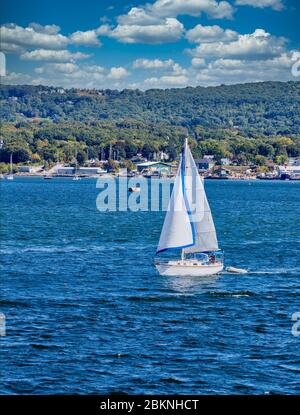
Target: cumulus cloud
<point x="34" y="36"/>
<point x="212" y="8"/>
<point x="198" y="62"/>
<point x="207" y="34"/>
<point x="11" y="48"/>
<point x="53" y="55"/>
<point x="139" y="16"/>
<point x="275" y="4"/>
<point x="158" y="23"/>
<point x="87" y="38"/>
<point x="167" y="81"/>
<point x="104" y="30"/>
<point x="231" y="71"/>
<point x="67" y="75"/>
<point x="118" y="73"/>
<point x="51" y="29"/>
<point x="255" y="46"/>
<point x="151" y="13"/>
<point x="153" y="63"/>
<point x="167" y="30"/>
<point x="16" y="78"/>
<point x="61" y="67"/>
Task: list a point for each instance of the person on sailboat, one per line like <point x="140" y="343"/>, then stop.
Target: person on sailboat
<point x="212" y="258"/>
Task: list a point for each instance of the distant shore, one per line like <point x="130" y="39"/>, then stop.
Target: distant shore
<point x="112" y="175"/>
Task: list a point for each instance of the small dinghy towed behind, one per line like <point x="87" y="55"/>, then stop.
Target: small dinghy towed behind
<point x="189" y="226"/>
<point x="233" y="270"/>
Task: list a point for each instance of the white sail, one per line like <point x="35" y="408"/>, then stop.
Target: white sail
<point x="188" y="223"/>
<point x="177" y="231"/>
<point x="200" y="215"/>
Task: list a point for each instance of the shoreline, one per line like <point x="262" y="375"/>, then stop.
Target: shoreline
<point x="111" y="176"/>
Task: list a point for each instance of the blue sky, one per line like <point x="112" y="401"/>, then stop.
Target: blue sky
<point x="146" y="44"/>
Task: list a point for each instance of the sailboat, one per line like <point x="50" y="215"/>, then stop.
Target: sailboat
<point x="189" y="226"/>
<point x="76" y="177"/>
<point x="10" y="176"/>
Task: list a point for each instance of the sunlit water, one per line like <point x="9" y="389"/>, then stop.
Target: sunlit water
<point x="86" y="311"/>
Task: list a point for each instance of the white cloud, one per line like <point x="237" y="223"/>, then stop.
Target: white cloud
<point x="157" y="22"/>
<point x="167" y="81"/>
<point x="16" y="78"/>
<point x="231" y="71"/>
<point x="61" y="67"/>
<point x="53" y="55"/>
<point x="207" y="34"/>
<point x="152" y="13"/>
<point x="178" y="70"/>
<point x="198" y="62"/>
<point x="212" y="8"/>
<point x="51" y="29"/>
<point x="153" y="63"/>
<point x="104" y="30"/>
<point x="118" y="73"/>
<point x="35" y="36"/>
<point x="167" y="30"/>
<point x="173" y="69"/>
<point x="254" y="46"/>
<point x="215" y="72"/>
<point x="275" y="4"/>
<point x="87" y="38"/>
<point x="67" y="75"/>
<point x="139" y="16"/>
<point x="11" y="48"/>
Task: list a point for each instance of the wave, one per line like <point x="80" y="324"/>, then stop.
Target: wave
<point x="231" y="294"/>
<point x="267" y="272"/>
<point x="276" y="271"/>
<point x="293" y="368"/>
<point x="51" y="249"/>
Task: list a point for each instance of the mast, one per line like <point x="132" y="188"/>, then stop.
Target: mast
<point x="76" y="167"/>
<point x="184" y="161"/>
<point x="11" y="165"/>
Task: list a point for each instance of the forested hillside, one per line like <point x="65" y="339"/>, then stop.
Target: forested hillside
<point x="267" y="107"/>
<point x="247" y="122"/>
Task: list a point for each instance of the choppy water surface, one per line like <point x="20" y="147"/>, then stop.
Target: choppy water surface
<point x="86" y="311"/>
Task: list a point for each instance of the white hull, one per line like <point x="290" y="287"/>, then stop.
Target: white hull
<point x="185" y="269"/>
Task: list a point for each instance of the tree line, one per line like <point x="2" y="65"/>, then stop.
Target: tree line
<point x="250" y="123"/>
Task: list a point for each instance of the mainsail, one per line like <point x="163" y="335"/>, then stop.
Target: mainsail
<point x="188" y="223"/>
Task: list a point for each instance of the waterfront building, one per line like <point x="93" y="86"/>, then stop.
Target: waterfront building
<point x="204" y="164"/>
<point x="155" y="167"/>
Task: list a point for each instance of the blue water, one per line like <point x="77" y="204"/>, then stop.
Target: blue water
<point x="86" y="311"/>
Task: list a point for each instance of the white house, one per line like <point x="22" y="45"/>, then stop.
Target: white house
<point x="30" y="169"/>
<point x="91" y="170"/>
